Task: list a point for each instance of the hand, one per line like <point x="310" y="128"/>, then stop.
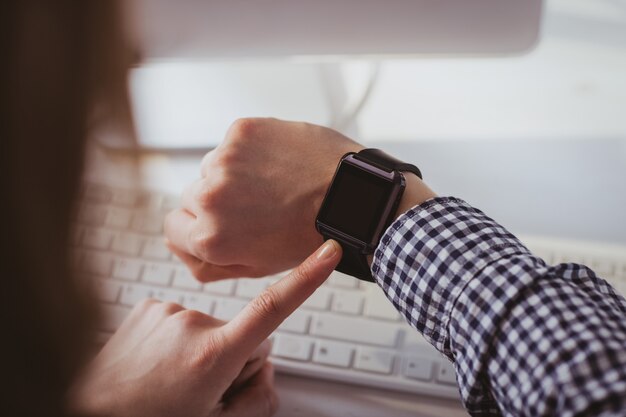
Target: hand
<point x="252" y="212"/>
<point x="165" y="360"/>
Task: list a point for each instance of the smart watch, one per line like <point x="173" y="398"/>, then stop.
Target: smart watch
<point x="360" y="204"/>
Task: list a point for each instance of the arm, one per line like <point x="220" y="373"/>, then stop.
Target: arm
<point x="525" y="337"/>
<point x="479" y="297"/>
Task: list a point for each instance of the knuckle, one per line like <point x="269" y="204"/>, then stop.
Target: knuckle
<point x="167" y="309"/>
<point x="267" y="304"/>
<point x="211" y="194"/>
<point x="210" y="352"/>
<point x="146" y="304"/>
<point x="189" y="318"/>
<point x="243" y="128"/>
<point x="206" y="244"/>
<point x="302" y="273"/>
<point x="205" y="195"/>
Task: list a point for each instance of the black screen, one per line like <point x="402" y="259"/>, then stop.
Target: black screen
<point x="355" y="202"/>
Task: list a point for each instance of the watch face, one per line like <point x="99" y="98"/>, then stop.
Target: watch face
<point x="357" y="202"/>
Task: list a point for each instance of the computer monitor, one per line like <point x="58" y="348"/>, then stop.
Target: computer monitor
<point x="205" y="63"/>
<point x="264" y="28"/>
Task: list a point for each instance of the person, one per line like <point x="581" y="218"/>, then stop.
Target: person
<point x="526" y="338"/>
<point x="65" y="70"/>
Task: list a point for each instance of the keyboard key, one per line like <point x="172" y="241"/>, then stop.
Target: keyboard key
<point x="292" y="347"/>
<point x="113" y="316"/>
<point x="147" y="223"/>
<point x="124" y="197"/>
<point x="157" y="274"/>
<point x="149" y="200"/>
<point x="132" y="294"/>
<point x="445" y="373"/>
<point x="347" y="302"/>
<point x="127" y="269"/>
<point x="378" y="306"/>
<point x="98" y="193"/>
<point x="223" y="287"/>
<point x="413" y="341"/>
<point x="97" y="238"/>
<point x="339" y="280"/>
<point x="168" y="295"/>
<point x="199" y="302"/>
<point x="170" y="203"/>
<point x="355" y="329"/>
<point x="185" y="280"/>
<point x="97" y="263"/>
<point x="620" y="287"/>
<point x="118" y="218"/>
<point x="319" y="300"/>
<point x="92" y="215"/>
<point x="155" y="248"/>
<point x="603" y="267"/>
<point x="226" y="309"/>
<point x="127" y="243"/>
<point x="374" y="360"/>
<point x="418" y="368"/>
<point x="108" y="291"/>
<point x="333" y="353"/>
<point x="250" y="287"/>
<point x="570" y="258"/>
<point x="297" y="322"/>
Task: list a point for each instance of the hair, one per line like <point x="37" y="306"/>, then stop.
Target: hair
<point x="63" y="61"/>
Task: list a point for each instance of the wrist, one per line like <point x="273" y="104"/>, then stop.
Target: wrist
<point x="415" y="193"/>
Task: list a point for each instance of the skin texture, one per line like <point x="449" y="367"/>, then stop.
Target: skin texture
<point x="165" y="360"/>
<point x="252" y="212"/>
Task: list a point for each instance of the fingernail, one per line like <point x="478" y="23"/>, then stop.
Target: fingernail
<point x="327" y="250"/>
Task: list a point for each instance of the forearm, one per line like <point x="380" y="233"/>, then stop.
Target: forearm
<point x="480" y="297"/>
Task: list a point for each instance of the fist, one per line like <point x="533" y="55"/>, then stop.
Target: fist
<point x="252" y="211"/>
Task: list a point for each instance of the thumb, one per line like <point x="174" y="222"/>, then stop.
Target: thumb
<point x="268" y="310"/>
<point x="256" y="399"/>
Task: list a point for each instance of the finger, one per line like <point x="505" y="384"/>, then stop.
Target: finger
<point x="179" y="225"/>
<point x="207" y="272"/>
<point x="187" y="197"/>
<point x="253" y="365"/>
<point x="256" y="399"/>
<point x="205" y="164"/>
<point x="267" y="311"/>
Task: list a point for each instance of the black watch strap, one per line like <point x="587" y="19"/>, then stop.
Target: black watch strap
<point x="386" y="161"/>
<point x="353" y="262"/>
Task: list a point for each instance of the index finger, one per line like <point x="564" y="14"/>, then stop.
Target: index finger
<point x="268" y="310"/>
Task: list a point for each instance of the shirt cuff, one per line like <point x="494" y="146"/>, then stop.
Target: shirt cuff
<point x="430" y="254"/>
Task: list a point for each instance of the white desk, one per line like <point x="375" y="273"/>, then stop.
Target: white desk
<point x="303" y="397"/>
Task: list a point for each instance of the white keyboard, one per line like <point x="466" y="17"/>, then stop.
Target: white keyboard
<point x="347" y="331"/>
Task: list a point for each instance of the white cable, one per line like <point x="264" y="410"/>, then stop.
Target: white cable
<point x="347" y="116"/>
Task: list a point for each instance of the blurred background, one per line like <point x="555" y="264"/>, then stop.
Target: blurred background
<point x="537" y="139"/>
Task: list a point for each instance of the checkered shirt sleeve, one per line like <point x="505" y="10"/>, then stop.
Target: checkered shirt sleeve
<point x="526" y="338"/>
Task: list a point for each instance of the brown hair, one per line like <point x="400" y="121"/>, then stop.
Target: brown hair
<point x="60" y="58"/>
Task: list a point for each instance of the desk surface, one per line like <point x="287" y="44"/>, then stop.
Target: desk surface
<point x="304" y="397"/>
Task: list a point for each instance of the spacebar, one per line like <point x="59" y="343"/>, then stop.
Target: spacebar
<point x="355" y="330"/>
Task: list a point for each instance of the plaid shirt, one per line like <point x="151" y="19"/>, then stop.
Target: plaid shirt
<point x="526" y="338"/>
